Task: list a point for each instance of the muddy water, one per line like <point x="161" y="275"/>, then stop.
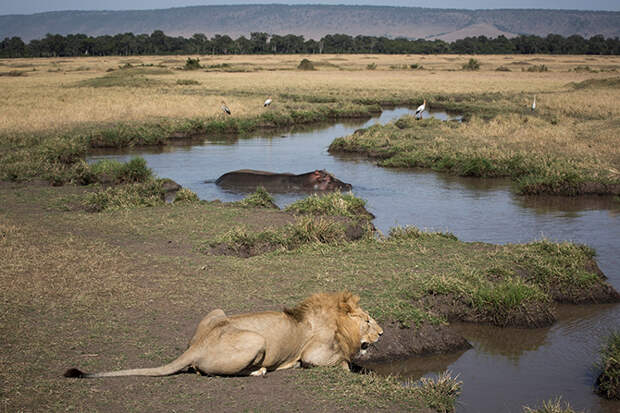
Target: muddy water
<point x="506" y="368"/>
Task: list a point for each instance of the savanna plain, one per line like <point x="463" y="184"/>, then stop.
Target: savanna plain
<point x="98" y="271"/>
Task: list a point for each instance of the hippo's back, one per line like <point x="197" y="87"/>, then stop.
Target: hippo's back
<point x="251" y="177"/>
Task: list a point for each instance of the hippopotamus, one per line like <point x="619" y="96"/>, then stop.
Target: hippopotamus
<point x="318" y="180"/>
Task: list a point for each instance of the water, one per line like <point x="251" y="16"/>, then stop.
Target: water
<point x="507" y="368"/>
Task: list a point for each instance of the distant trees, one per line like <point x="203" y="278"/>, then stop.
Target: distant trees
<point x="127" y="44"/>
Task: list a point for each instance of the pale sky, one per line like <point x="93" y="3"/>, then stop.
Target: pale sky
<point x="37" y="6"/>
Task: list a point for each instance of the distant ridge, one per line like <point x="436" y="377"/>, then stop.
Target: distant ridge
<point x="316" y="21"/>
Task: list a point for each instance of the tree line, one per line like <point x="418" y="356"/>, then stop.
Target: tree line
<point x="158" y="43"/>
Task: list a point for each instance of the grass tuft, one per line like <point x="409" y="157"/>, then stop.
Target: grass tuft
<point x="258" y="199"/>
<point x="373" y="392"/>
<point x="306" y="230"/>
<point x="334" y="204"/>
<point x="551" y="406"/>
<point x="411" y="232"/>
<point x="608" y="382"/>
<point x="186" y="195"/>
<point x="439" y="394"/>
<point x="145" y="194"/>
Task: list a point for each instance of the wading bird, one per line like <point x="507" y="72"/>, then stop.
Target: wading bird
<point x="268" y="102"/>
<point x="225" y="108"/>
<point x="534" y="104"/>
<point x="420" y="109"/>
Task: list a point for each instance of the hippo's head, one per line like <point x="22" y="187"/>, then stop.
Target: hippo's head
<point x="324" y="181"/>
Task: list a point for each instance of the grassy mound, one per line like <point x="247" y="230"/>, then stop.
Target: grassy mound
<point x="501" y="147"/>
<point x="334" y="204"/>
<point x="306" y="230"/>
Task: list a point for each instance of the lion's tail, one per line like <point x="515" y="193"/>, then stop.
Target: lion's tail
<point x="175" y="366"/>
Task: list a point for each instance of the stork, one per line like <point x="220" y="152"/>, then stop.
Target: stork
<point x="268" y="102"/>
<point x="534" y="104"/>
<point x="420" y="109"/>
<point x="225" y="108"/>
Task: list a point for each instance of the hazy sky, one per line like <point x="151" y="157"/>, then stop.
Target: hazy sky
<point x="36" y="6"/>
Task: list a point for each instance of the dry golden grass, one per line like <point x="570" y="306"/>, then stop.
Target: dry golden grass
<point x="48" y="97"/>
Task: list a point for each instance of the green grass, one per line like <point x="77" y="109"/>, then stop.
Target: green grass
<point x="144" y="194"/>
<point x="289" y="237"/>
<point x="373" y="392"/>
<point x="258" y="199"/>
<point x="411" y="232"/>
<point x="110" y="171"/>
<point x="608" y="382"/>
<point x="437" y="145"/>
<point x="472" y="64"/>
<point x="334" y="204"/>
<point x="186" y="195"/>
<point x="59" y="157"/>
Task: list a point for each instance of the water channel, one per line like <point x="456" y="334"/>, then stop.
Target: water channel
<point x="506" y="368"/>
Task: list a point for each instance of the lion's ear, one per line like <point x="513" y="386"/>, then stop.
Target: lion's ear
<point x="348" y="302"/>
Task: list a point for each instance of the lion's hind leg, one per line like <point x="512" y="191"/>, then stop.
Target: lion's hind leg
<point x="232" y="351"/>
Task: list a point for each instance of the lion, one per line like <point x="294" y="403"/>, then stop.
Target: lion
<point x="326" y="329"/>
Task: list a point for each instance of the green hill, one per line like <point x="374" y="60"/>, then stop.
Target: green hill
<point x="315" y="22"/>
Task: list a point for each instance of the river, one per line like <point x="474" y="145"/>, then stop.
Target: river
<point x="506" y="368"/>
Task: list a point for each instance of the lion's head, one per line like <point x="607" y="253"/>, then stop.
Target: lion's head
<point x="353" y="328"/>
<point x="356" y="329"/>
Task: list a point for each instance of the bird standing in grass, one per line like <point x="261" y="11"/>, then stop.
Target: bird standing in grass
<point x="534" y="104"/>
<point x="420" y="109"/>
<point x="225" y="108"/>
<point x="268" y="102"/>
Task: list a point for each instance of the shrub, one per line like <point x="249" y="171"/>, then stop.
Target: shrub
<point x="135" y="171"/>
<point x="187" y="82"/>
<point x="371" y="66"/>
<point x="537" y="68"/>
<point x="306" y="64"/>
<point x="583" y="68"/>
<point x="473" y="64"/>
<point x="192" y="64"/>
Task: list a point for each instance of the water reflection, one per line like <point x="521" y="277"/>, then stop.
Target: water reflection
<point x="415" y="367"/>
<point x="510" y="367"/>
<point x="511" y="343"/>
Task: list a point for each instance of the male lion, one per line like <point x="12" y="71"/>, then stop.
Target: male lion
<point x="324" y="330"/>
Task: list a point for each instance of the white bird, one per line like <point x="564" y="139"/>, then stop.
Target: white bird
<point x="534" y="104"/>
<point x="420" y="109"/>
<point x="225" y="108"/>
<point x="268" y="101"/>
